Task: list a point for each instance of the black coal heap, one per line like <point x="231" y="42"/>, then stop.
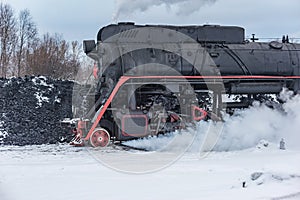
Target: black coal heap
<point x="31" y="109"/>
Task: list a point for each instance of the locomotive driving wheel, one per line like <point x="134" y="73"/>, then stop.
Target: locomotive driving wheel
<point x="100" y="138"/>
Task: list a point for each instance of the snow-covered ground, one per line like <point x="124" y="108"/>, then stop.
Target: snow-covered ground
<point x="64" y="172"/>
<point x="238" y="159"/>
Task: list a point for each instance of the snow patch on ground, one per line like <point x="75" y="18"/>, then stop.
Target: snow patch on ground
<point x="63" y="172"/>
<point x="259" y="178"/>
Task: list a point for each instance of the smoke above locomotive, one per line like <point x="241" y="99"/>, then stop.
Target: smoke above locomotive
<point x="153" y="79"/>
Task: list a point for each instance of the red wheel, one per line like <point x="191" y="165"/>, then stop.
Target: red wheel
<point x="100" y="138"/>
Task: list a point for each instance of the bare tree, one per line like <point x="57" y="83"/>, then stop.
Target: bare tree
<point x="7" y="37"/>
<point x="53" y="57"/>
<point x="22" y="52"/>
<point x="75" y="62"/>
<point x="27" y="34"/>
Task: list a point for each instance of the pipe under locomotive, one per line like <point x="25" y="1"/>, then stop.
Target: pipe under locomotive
<point x="155" y="79"/>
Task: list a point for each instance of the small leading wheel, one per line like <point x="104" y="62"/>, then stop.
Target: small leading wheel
<point x="100" y="138"/>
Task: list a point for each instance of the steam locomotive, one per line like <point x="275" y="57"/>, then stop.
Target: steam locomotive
<point x="153" y="79"/>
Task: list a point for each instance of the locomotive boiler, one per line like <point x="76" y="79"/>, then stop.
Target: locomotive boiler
<point x="153" y="79"/>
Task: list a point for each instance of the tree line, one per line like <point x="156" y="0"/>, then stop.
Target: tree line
<point x="24" y="52"/>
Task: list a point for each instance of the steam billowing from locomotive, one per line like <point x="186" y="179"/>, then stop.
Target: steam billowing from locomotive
<point x="182" y="7"/>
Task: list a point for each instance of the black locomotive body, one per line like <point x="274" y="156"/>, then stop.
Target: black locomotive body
<point x="154" y="79"/>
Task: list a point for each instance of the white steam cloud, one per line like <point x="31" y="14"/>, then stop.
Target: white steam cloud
<point x="182" y="7"/>
<point x="245" y="129"/>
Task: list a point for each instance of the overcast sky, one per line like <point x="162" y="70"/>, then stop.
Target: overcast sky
<point x="78" y="20"/>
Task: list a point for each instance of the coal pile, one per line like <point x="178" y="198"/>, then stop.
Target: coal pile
<point x="31" y="109"/>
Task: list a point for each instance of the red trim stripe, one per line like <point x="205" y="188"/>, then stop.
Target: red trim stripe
<point x="105" y="106"/>
<point x="213" y="77"/>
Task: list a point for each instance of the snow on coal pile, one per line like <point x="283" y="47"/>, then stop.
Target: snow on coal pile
<point x="31" y="108"/>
